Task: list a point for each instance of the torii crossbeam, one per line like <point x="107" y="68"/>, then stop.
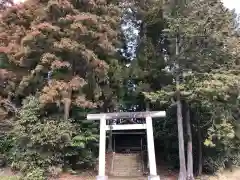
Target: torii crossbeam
<point x="148" y="115"/>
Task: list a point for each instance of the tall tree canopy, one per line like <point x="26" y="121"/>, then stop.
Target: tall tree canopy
<point x="62" y="58"/>
<point x="209" y="66"/>
<point x="61" y="49"/>
<point x="63" y="53"/>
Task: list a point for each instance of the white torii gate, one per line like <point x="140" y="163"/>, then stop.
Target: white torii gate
<point x="148" y="115"/>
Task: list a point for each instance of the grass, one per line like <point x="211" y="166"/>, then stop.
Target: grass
<point x="9" y="177"/>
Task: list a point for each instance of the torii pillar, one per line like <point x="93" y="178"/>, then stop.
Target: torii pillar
<point x="150" y="139"/>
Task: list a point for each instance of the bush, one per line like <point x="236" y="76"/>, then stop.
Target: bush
<point x="39" y="141"/>
<point x="54" y="171"/>
<point x="222" y="147"/>
<point x="6" y="143"/>
<point x="35" y="174"/>
<point x="49" y="142"/>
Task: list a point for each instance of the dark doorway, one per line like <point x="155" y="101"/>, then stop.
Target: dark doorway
<point x="128" y="141"/>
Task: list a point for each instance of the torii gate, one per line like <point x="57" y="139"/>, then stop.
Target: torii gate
<point x="148" y="115"/>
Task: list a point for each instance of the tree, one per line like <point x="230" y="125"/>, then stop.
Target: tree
<point x="67" y="55"/>
<point x="5" y="3"/>
<point x="60" y="46"/>
<point x="190" y="175"/>
<point x="37" y="137"/>
<point x="63" y="53"/>
<point x="206" y="29"/>
<point x="182" y="172"/>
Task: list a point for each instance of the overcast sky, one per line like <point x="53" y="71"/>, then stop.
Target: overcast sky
<point x="232" y="4"/>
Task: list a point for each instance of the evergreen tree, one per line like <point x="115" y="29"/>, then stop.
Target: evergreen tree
<point x="63" y="53"/>
<point x="66" y="46"/>
<point x="206" y="29"/>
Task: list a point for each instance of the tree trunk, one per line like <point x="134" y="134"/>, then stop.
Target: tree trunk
<point x="182" y="172"/>
<point x="199" y="172"/>
<point x="189" y="145"/>
<point x="110" y="145"/>
<point x="67" y="103"/>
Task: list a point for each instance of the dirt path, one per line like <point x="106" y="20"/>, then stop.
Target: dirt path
<point x="226" y="175"/>
<point x="69" y="177"/>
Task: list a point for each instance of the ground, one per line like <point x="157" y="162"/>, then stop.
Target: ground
<point x="226" y="175"/>
<point x="7" y="174"/>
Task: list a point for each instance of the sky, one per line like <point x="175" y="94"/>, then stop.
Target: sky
<point x="232" y="4"/>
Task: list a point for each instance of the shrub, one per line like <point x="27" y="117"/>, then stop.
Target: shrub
<point x="47" y="142"/>
<point x="35" y="174"/>
<point x="6" y="143"/>
<point x="39" y="141"/>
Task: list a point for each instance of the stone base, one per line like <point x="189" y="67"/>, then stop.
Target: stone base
<point x="153" y="177"/>
<point x="101" y="178"/>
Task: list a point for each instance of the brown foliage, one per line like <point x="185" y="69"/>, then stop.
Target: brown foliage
<point x="72" y="39"/>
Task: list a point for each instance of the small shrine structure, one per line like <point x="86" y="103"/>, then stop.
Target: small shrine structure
<point x="138" y="125"/>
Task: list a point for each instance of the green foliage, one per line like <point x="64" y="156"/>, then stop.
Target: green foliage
<point x="209" y="73"/>
<point x="218" y="160"/>
<point x="81" y="141"/>
<point x="64" y="54"/>
<point x="43" y="142"/>
<point x="6" y="144"/>
<point x="43" y="139"/>
<point x="35" y="174"/>
<point x="222" y="132"/>
<point x="9" y="178"/>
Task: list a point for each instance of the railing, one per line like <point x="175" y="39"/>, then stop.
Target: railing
<point x="113" y="154"/>
<point x="145" y="155"/>
<point x="142" y="157"/>
<point x="112" y="162"/>
<point x="132" y="149"/>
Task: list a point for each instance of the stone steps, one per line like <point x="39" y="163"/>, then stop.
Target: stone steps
<point x="127" y="178"/>
<point x="127" y="165"/>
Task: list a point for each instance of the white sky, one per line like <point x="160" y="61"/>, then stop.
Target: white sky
<point x="232" y="4"/>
